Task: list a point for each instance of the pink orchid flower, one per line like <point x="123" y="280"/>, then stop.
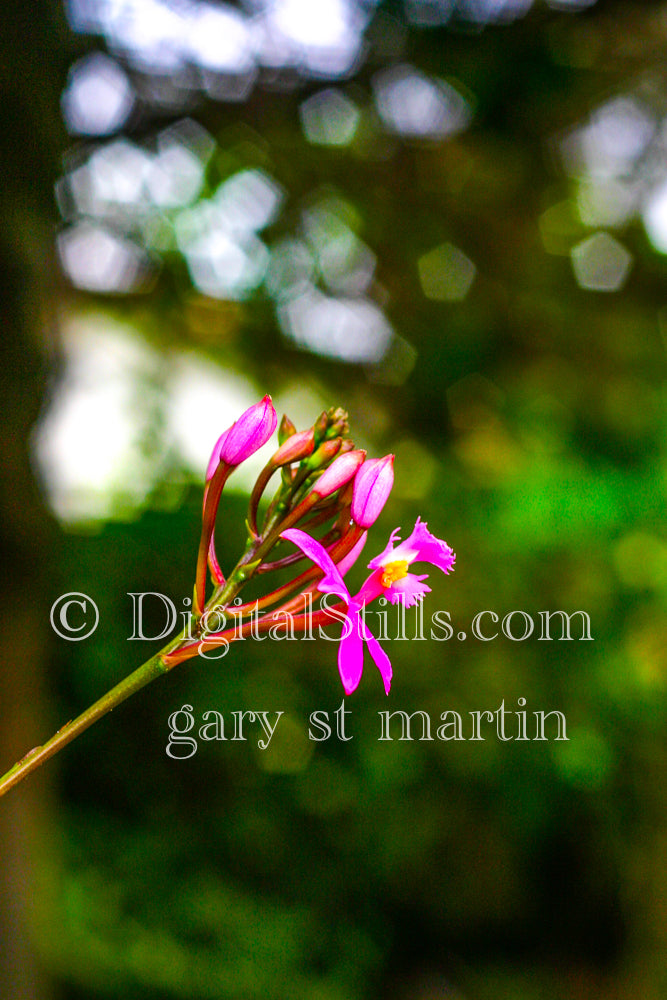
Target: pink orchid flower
<point x="390" y="577"/>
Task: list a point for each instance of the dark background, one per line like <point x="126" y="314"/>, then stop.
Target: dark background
<point x="489" y="230"/>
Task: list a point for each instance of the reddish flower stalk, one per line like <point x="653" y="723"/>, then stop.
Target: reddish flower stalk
<point x="340" y="552"/>
<point x="211" y="502"/>
<point x="333" y="479"/>
<point x="213" y="564"/>
<point x="338" y="530"/>
<point x="297" y="446"/>
<point x="247" y="630"/>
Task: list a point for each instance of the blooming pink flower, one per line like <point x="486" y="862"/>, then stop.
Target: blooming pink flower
<point x="246" y="435"/>
<point x="390" y="577"/>
<point x="372" y="485"/>
<point x="355" y="630"/>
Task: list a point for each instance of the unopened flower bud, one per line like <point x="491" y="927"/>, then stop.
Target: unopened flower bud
<point x="320" y="427"/>
<point x="338" y="423"/>
<point x="324" y="454"/>
<point x="286" y="429"/>
<point x="372" y="485"/>
<point x="340" y="472"/>
<point x="252" y="430"/>
<point x="295" y="448"/>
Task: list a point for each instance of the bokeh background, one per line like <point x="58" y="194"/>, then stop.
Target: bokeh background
<point x="449" y="217"/>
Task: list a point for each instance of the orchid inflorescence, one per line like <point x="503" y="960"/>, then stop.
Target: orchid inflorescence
<point x="324" y="483"/>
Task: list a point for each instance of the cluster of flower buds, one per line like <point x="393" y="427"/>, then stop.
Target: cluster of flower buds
<point x="324" y="484"/>
<point x="324" y="478"/>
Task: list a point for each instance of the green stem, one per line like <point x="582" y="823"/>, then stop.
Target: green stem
<point x="139" y="678"/>
<point x="142" y="676"/>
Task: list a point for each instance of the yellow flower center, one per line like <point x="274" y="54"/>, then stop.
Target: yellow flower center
<point x="394" y="571"/>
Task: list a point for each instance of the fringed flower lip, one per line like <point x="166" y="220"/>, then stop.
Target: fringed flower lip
<point x="390" y="577"/>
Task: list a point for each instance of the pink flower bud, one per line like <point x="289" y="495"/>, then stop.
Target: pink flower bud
<point x="296" y="447"/>
<point x="340" y="472"/>
<point x="246" y="435"/>
<point x="372" y="486"/>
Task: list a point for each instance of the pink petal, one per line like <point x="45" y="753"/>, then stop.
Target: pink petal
<point x="296" y="447"/>
<point x="247" y="434"/>
<point x="339" y="473"/>
<point x="332" y="581"/>
<point x="388" y="554"/>
<point x="421" y="546"/>
<point x="408" y="590"/>
<point x="351" y="652"/>
<point x="429" y="549"/>
<point x="381" y="659"/>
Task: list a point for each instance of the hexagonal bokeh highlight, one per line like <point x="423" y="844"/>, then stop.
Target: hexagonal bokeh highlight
<point x="601" y="263"/>
<point x="329" y="118"/>
<point x="446" y="274"/>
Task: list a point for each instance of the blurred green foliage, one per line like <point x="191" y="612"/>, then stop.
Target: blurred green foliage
<point x="528" y="419"/>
